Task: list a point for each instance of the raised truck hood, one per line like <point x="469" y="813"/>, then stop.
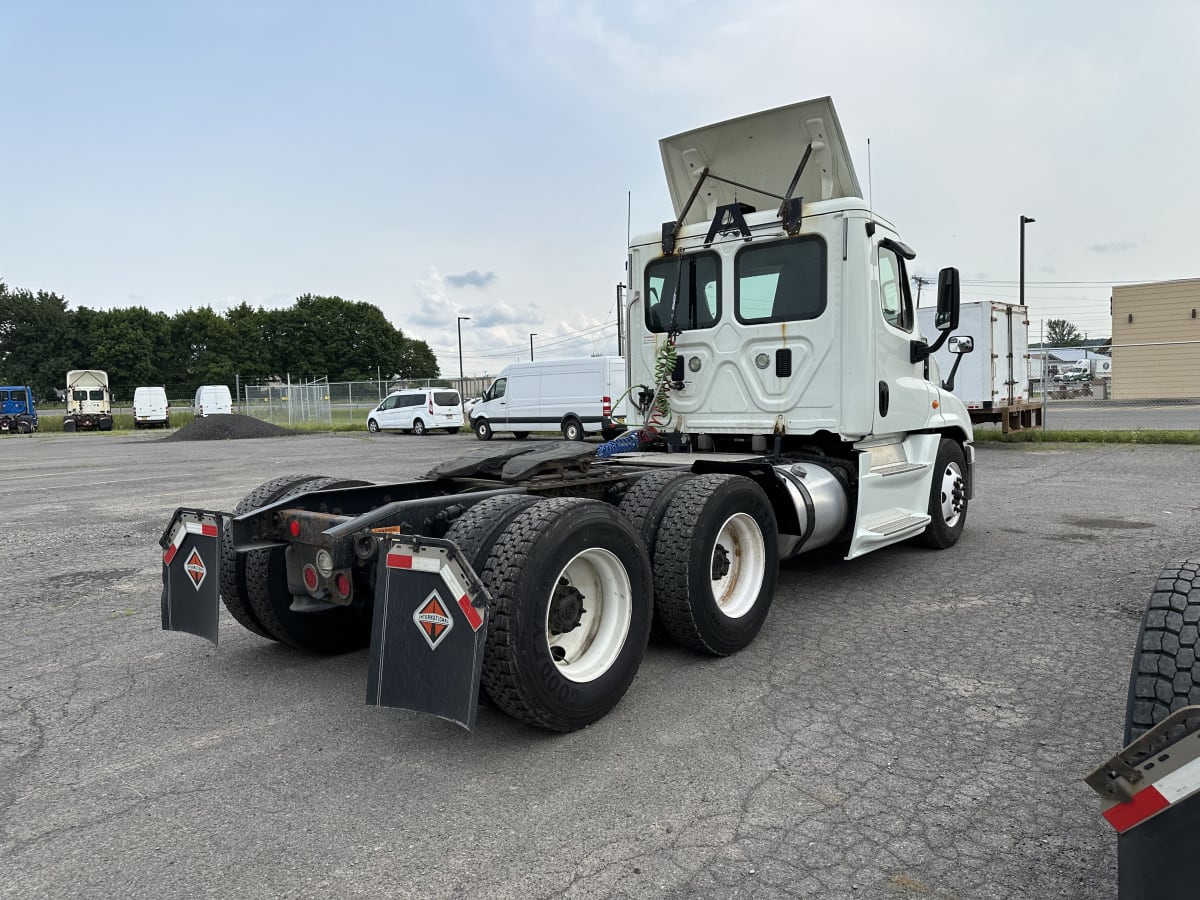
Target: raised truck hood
<point x="761" y="150"/>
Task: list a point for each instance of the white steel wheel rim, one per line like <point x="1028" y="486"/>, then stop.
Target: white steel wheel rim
<point x="589" y="650"/>
<point x="951" y="481"/>
<point x="740" y="542"/>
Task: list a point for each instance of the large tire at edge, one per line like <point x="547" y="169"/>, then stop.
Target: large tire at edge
<point x="548" y="664"/>
<point x="947" y="498"/>
<point x="1164" y="676"/>
<point x="330" y="631"/>
<point x="716" y="561"/>
<point x="233" y="564"/>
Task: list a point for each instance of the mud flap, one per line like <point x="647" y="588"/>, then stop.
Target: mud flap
<point x="191" y="580"/>
<point x="427" y="638"/>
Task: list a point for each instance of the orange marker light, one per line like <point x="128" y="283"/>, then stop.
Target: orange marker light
<point x="935" y="404"/>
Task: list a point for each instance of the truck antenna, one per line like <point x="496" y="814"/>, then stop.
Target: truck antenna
<point x="870" y="194"/>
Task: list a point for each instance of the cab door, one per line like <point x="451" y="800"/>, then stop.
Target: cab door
<point x="902" y="393"/>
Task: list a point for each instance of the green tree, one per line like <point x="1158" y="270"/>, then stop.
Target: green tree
<point x="36" y="341"/>
<point x="203" y="346"/>
<point x="1061" y="333"/>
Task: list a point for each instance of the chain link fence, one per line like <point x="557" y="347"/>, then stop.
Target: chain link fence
<point x="1130" y="387"/>
<point x="334" y="403"/>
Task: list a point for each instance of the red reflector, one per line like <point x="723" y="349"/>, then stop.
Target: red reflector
<point x="342" y="584"/>
<point x="208" y="530"/>
<point x="310" y="577"/>
<point x="399" y="561"/>
<point x="1144" y="804"/>
<point x="472" y="614"/>
<point x="607" y="404"/>
<point x="294" y="527"/>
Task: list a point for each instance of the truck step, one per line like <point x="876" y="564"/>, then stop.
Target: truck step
<point x="895" y="521"/>
<point x="899" y="468"/>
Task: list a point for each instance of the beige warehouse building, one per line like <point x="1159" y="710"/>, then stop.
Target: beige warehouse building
<point x="1156" y="340"/>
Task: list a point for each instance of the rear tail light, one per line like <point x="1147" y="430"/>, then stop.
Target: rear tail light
<point x="341" y="584"/>
<point x="607" y="404"/>
<point x="431" y="407"/>
<point x="310" y="577"/>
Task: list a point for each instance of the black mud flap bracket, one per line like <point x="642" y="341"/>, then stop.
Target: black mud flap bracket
<point x="191" y="572"/>
<point x="428" y="634"/>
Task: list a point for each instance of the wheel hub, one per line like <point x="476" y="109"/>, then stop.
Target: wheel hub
<point x="566" y="608"/>
<point x="720" y="562"/>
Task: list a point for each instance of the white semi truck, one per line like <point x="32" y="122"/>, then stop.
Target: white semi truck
<point x="89" y="404"/>
<point x="784" y="398"/>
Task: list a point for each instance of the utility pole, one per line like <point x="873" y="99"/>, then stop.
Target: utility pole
<point x="1025" y="220"/>
<point x="920" y="281"/>
<point x="462" y="404"/>
<point x="531" y="337"/>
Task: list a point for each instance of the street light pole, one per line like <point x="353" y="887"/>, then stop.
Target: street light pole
<point x="462" y="402"/>
<point x="1025" y="220"/>
<point x="531" y="337"/>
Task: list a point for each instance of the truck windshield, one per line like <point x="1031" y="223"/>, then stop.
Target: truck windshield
<point x="781" y="282"/>
<point x="698" y="304"/>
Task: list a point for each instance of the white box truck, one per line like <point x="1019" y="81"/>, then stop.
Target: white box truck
<point x="575" y="396"/>
<point x="993" y="380"/>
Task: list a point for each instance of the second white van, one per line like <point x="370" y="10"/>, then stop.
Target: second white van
<point x="150" y="408"/>
<point x="213" y="400"/>
<point x="577" y="397"/>
<point x="417" y="410"/>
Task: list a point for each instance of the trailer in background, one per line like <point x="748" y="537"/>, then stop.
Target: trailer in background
<point x="993" y="380"/>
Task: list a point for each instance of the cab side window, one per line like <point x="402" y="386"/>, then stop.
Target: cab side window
<point x="894" y="295"/>
<point x="498" y="388"/>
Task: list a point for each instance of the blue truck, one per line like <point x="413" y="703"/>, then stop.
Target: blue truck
<point x="17" y="412"/>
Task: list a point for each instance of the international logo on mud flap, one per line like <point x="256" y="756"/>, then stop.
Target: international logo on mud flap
<point x="433" y="619"/>
<point x="194" y="566"/>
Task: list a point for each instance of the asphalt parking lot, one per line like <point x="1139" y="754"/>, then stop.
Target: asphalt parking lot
<point x="908" y="724"/>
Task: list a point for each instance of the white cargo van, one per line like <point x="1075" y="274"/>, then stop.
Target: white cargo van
<point x="213" y="400"/>
<point x="575" y="396"/>
<point x="417" y="410"/>
<point x="150" y="408"/>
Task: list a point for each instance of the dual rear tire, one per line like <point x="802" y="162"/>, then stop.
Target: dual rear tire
<point x="570" y="618"/>
<point x="254" y="584"/>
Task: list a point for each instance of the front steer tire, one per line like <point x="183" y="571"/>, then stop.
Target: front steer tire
<point x="555" y="558"/>
<point x="947" y="498"/>
<point x="716" y="561"/>
<point x="331" y="631"/>
<point x="1165" y="676"/>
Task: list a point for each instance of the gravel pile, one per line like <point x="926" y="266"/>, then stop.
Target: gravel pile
<point x="227" y="428"/>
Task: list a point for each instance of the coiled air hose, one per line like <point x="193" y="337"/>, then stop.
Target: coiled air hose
<point x="659" y="408"/>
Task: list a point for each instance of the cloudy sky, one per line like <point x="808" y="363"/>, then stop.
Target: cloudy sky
<point x="482" y="159"/>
